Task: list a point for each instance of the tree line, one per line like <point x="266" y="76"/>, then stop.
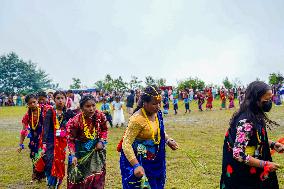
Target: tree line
<point x="22" y="77"/>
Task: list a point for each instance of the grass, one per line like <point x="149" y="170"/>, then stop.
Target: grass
<point x="199" y="134"/>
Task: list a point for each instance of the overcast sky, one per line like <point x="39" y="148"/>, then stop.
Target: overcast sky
<point x="173" y="39"/>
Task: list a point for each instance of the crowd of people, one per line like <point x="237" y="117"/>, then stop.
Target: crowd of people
<point x="61" y="124"/>
<point x="170" y="96"/>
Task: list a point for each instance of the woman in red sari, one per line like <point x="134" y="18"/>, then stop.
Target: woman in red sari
<point x="55" y="140"/>
<point x="87" y="134"/>
<point x="209" y="98"/>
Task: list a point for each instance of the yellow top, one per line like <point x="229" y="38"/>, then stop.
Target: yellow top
<point x="137" y="128"/>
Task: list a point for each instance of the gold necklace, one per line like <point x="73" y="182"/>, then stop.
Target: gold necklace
<point x="152" y="129"/>
<point x="35" y="126"/>
<point x="58" y="122"/>
<point x="87" y="130"/>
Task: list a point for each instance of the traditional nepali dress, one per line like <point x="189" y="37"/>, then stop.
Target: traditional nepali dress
<point x="55" y="138"/>
<point x="200" y="98"/>
<point x="223" y="99"/>
<point x="231" y="100"/>
<point x="35" y="136"/>
<point x="137" y="143"/>
<point x="243" y="141"/>
<point x="209" y="100"/>
<point x="91" y="169"/>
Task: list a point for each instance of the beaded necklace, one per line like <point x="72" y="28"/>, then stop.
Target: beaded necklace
<point x="87" y="130"/>
<point x="152" y="129"/>
<point x="35" y="126"/>
<point x="58" y="122"/>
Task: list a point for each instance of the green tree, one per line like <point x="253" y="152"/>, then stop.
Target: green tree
<point x="135" y="83"/>
<point x="149" y="80"/>
<point x="18" y="76"/>
<point x="108" y="83"/>
<point x="119" y="84"/>
<point x="227" y="83"/>
<point x="194" y="83"/>
<point x="275" y="78"/>
<point x="99" y="85"/>
<point x="76" y="83"/>
<point x="161" y="82"/>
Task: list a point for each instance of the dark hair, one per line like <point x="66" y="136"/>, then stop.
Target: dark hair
<point x="29" y="96"/>
<point x="250" y="107"/>
<point x="132" y="91"/>
<point x="41" y="94"/>
<point x="85" y="98"/>
<point x="147" y="95"/>
<point x="59" y="92"/>
<point x="69" y="91"/>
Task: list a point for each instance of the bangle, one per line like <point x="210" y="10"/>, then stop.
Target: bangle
<point x="136" y="165"/>
<point x="261" y="164"/>
<point x="104" y="142"/>
<point x="22" y="146"/>
<point x="272" y="145"/>
<point x="70" y="158"/>
<point x="265" y="163"/>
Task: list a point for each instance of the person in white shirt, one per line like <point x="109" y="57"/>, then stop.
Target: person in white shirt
<point x="118" y="116"/>
<point x="73" y="101"/>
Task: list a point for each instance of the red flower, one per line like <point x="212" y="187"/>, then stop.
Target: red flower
<point x="252" y="170"/>
<point x="229" y="169"/>
<point x="227" y="133"/>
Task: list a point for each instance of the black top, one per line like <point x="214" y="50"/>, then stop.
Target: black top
<point x="242" y="176"/>
<point x="130" y="101"/>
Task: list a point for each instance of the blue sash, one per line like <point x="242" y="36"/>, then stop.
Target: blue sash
<point x="152" y="158"/>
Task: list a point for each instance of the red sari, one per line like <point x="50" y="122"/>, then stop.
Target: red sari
<point x="209" y="100"/>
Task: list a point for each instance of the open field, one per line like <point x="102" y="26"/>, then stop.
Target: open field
<point x="198" y="133"/>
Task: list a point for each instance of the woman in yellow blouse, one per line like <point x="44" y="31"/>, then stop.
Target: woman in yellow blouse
<point x="142" y="160"/>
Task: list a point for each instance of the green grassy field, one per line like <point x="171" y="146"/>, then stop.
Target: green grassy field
<point x="200" y="134"/>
